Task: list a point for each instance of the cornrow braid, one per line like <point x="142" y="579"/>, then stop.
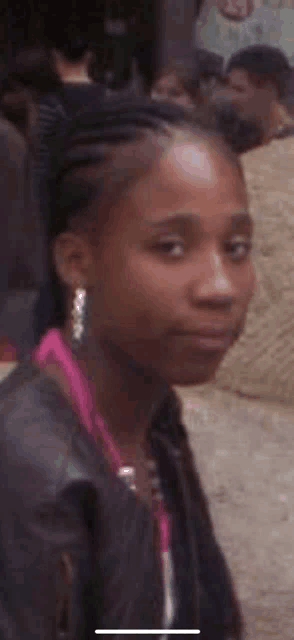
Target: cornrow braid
<point x="89" y="138"/>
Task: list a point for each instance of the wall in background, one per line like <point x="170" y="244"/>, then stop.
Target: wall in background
<point x="228" y="25"/>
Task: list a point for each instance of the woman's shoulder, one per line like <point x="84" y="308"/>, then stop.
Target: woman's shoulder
<point x="27" y="397"/>
<point x="39" y="427"/>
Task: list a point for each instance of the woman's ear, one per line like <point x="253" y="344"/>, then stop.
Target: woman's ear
<point x="73" y="261"/>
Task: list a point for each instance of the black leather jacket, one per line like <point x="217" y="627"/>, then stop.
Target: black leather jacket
<point x="61" y="506"/>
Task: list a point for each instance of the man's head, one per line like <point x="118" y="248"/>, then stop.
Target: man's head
<point x="70" y="52"/>
<point x="257" y="79"/>
<point x="189" y="80"/>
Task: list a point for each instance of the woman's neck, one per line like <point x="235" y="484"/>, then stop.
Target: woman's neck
<point x="125" y="395"/>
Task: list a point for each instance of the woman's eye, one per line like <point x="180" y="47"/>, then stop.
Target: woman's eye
<point x="171" y="248"/>
<point x="240" y="250"/>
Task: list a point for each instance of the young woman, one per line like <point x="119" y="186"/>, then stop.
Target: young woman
<point x="189" y="80"/>
<point x="104" y="523"/>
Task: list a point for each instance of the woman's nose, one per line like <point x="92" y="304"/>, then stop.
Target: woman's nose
<point x="214" y="285"/>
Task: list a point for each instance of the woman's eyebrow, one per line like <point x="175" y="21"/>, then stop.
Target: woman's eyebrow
<point x="181" y="220"/>
<point x="241" y="220"/>
<point x="177" y="220"/>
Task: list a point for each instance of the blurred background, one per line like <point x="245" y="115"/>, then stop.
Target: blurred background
<point x="149" y="32"/>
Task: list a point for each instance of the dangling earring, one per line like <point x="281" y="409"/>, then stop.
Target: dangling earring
<point x="78" y="316"/>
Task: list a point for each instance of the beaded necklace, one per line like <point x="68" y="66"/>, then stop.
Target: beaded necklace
<point x="128" y="475"/>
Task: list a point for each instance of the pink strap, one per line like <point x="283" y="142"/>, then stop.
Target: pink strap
<point x="52" y="348"/>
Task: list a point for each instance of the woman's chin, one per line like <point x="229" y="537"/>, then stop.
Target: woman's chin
<point x="186" y="379"/>
<point x="192" y="376"/>
<point x="192" y="381"/>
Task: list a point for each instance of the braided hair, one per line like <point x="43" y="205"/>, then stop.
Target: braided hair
<point x="91" y="139"/>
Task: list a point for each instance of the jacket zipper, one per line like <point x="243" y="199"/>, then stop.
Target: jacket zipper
<point x="193" y="551"/>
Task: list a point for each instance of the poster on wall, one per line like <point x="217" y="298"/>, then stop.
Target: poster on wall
<point x="225" y="26"/>
<point x="236" y="10"/>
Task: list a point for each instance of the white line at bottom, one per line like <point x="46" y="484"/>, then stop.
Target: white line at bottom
<point x="145" y="631"/>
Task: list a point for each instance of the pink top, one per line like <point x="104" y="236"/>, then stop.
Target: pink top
<point x="52" y="349"/>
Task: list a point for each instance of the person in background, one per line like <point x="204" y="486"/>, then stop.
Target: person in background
<point x="44" y="86"/>
<point x="30" y="78"/>
<point x="192" y="82"/>
<point x="257" y="80"/>
<point x="22" y="243"/>
<point x="151" y="243"/>
<point x="189" y="80"/>
<point x="72" y="60"/>
<point x="22" y="267"/>
<point x="69" y="55"/>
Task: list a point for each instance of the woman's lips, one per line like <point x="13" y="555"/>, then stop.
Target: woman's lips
<point x="206" y="342"/>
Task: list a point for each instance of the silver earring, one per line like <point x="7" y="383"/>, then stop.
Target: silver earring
<point x="78" y="315"/>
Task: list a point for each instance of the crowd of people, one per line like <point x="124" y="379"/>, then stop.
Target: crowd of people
<point x="127" y="233"/>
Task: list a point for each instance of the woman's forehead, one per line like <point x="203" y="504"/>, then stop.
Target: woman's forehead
<point x="160" y="174"/>
<point x="190" y="158"/>
<point x="189" y="172"/>
<point x="193" y="157"/>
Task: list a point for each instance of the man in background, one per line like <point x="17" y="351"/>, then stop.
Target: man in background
<point x="257" y="84"/>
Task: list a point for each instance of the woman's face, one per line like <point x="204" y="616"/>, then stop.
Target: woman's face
<point x="173" y="275"/>
<point x="169" y="87"/>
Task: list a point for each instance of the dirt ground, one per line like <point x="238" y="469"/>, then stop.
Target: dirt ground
<point x="244" y="450"/>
